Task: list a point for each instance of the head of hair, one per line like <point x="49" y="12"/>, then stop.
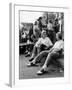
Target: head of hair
<point x="43" y="31"/>
<point x="39" y="18"/>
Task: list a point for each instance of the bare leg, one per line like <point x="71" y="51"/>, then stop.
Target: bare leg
<point x="51" y="56"/>
<point x="34" y="52"/>
<point x="40" y="56"/>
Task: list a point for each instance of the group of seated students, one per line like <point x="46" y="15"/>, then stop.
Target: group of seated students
<point x="44" y="47"/>
<point x="50" y="51"/>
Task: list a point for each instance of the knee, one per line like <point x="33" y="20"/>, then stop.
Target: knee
<point x="50" y="55"/>
<point x="35" y="47"/>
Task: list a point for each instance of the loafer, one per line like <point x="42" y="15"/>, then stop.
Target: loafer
<point x="41" y="72"/>
<point x="30" y="64"/>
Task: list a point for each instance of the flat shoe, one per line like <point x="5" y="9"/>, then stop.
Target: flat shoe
<point x="30" y="64"/>
<point x="41" y="72"/>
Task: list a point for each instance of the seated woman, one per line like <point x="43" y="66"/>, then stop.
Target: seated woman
<point x="51" y="55"/>
<point x="44" y="41"/>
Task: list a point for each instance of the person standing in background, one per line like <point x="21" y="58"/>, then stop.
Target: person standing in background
<point x="57" y="26"/>
<point x="50" y="32"/>
<point x="36" y="31"/>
